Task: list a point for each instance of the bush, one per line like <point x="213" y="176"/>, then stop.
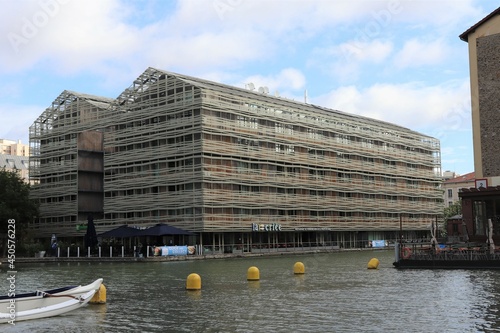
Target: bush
<point x="30" y="250"/>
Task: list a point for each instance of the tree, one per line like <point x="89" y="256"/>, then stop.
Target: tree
<point x="452" y="210"/>
<point x="15" y="205"/>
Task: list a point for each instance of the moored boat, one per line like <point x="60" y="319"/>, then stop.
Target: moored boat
<point x="41" y="304"/>
<point x="452" y="256"/>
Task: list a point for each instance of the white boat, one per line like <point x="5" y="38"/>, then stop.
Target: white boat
<point x="49" y="303"/>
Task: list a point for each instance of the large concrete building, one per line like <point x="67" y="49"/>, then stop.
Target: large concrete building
<point x="66" y="166"/>
<point x="15" y="148"/>
<point x="14" y="156"/>
<point x="481" y="202"/>
<point x="237" y="166"/>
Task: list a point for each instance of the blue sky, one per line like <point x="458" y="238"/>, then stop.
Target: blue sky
<point x="398" y="60"/>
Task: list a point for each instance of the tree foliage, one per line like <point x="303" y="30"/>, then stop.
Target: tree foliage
<point x="452" y="210"/>
<point x="15" y="202"/>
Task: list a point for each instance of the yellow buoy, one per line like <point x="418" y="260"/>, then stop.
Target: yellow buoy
<point x="100" y="296"/>
<point x="373" y="263"/>
<point x="298" y="268"/>
<point x="193" y="282"/>
<point x="253" y="274"/>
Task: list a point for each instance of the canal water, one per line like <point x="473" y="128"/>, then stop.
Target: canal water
<point x="337" y="293"/>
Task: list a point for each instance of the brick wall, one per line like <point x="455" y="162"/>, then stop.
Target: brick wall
<point x="488" y="63"/>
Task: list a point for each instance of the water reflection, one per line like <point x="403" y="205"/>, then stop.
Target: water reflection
<point x="336" y="294"/>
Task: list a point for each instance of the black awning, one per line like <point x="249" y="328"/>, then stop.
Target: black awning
<point x="121" y="232"/>
<point x="163" y="229"/>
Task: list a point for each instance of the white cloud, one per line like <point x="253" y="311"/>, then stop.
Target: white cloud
<point x="443" y="15"/>
<point x="17" y="120"/>
<point x="288" y="79"/>
<point x="285" y="43"/>
<point x="69" y="35"/>
<point x="374" y="52"/>
<point x="103" y="36"/>
<point x="442" y="108"/>
<point x="416" y="53"/>
<point x="345" y="61"/>
<point x="230" y="49"/>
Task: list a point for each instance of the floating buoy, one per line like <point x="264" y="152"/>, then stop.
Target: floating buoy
<point x="373" y="263"/>
<point x="406" y="252"/>
<point x="100" y="296"/>
<point x="253" y="274"/>
<point x="298" y="268"/>
<point x="193" y="282"/>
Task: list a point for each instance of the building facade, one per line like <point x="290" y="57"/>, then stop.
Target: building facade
<point x="15" y="148"/>
<point x="483" y="40"/>
<point x="452" y="187"/>
<point x="242" y="167"/>
<point x="14" y="156"/>
<point x="66" y="166"/>
<point x="481" y="202"/>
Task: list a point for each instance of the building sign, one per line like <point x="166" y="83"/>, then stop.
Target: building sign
<point x="266" y="227"/>
<point x="81" y="227"/>
<point x="481" y="183"/>
<point x="174" y="250"/>
<point x="378" y="243"/>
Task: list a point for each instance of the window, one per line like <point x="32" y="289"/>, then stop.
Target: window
<point x="344" y="195"/>
<point x="389" y="181"/>
<point x="342" y="158"/>
<point x="411" y="184"/>
<point x="279" y="128"/>
<point x="368" y="179"/>
<point x="344" y="177"/>
<point x="450" y="193"/>
<point x="368" y="160"/>
<point x="367" y="143"/>
<point x="343" y="139"/>
<point x="391" y="164"/>
<point x="313" y="133"/>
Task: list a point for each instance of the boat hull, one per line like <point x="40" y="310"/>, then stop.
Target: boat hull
<point x="49" y="303"/>
<point x="446" y="264"/>
<point x="52" y="310"/>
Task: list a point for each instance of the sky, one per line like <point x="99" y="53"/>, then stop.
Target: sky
<point x="395" y="60"/>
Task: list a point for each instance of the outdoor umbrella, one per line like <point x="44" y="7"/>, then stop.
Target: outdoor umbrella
<point x="90" y="235"/>
<point x="163" y="229"/>
<point x="123" y="231"/>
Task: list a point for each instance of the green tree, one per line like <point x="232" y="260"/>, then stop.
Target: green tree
<point x="452" y="210"/>
<point x="15" y="204"/>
